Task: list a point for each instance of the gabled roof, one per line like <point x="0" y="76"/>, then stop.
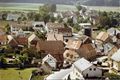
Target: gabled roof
<point x="54" y="37"/>
<point x="47" y="57"/>
<point x="73" y="44"/>
<point x="51" y="46"/>
<point x="59" y="75"/>
<point x="33" y="37"/>
<point x="116" y="56"/>
<point x="17" y="40"/>
<point x="22" y="40"/>
<point x="82" y="64"/>
<point x="10" y="38"/>
<point x="87" y="51"/>
<point x="113" y="31"/>
<point x="55" y="25"/>
<point x="108" y="47"/>
<point x="103" y="36"/>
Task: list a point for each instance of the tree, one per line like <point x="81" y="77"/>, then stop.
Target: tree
<point x="3" y="62"/>
<point x="50" y="7"/>
<point x="31" y="15"/>
<point x="7" y="28"/>
<point x="41" y="35"/>
<point x="4" y="16"/>
<point x="52" y="19"/>
<point x="70" y="21"/>
<point x="79" y="7"/>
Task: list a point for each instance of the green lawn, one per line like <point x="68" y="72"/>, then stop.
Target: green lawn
<point x="38" y="78"/>
<point x="13" y="74"/>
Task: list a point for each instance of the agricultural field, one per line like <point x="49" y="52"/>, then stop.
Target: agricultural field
<point x="31" y="7"/>
<point x="35" y="7"/>
<point x="104" y="8"/>
<point x="14" y="74"/>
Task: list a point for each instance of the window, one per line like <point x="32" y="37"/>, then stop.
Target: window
<point x="67" y="55"/>
<point x="94" y="69"/>
<point x="90" y="69"/>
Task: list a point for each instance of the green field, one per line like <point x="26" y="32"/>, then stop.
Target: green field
<point x="31" y="7"/>
<point x="104" y="8"/>
<point x="13" y="74"/>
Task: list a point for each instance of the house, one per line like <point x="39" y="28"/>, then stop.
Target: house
<point x="70" y="56"/>
<point x="58" y="28"/>
<point x="11" y="41"/>
<point x="13" y="17"/>
<point x="38" y="26"/>
<point x="21" y="28"/>
<point x="54" y="48"/>
<point x="85" y="24"/>
<point x="116" y="61"/>
<point x="19" y="41"/>
<point x="108" y="48"/>
<point x="54" y="37"/>
<point x="87" y="69"/>
<point x="32" y="40"/>
<point x="22" y="41"/>
<point x="87" y="51"/>
<point x="69" y="15"/>
<point x="83" y="47"/>
<point x="73" y="44"/>
<point x="61" y="75"/>
<point x="113" y="31"/>
<point x="85" y="39"/>
<point x="57" y="14"/>
<point x="103" y="37"/>
<point x="50" y="60"/>
<point x="3" y="39"/>
<point x="87" y="29"/>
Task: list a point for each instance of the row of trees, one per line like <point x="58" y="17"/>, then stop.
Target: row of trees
<point x="108" y="19"/>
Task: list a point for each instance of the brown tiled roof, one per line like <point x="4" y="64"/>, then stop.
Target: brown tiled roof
<point x="54" y="47"/>
<point x="21" y="24"/>
<point x="85" y="39"/>
<point x="3" y="38"/>
<point x="22" y="40"/>
<point x="87" y="51"/>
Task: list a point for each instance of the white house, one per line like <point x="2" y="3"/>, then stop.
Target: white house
<point x="63" y="74"/>
<point x="13" y="17"/>
<point x="113" y="31"/>
<point x="39" y="26"/>
<point x="50" y="60"/>
<point x="87" y="69"/>
<point x="116" y="60"/>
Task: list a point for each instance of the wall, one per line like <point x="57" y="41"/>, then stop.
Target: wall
<point x="92" y="73"/>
